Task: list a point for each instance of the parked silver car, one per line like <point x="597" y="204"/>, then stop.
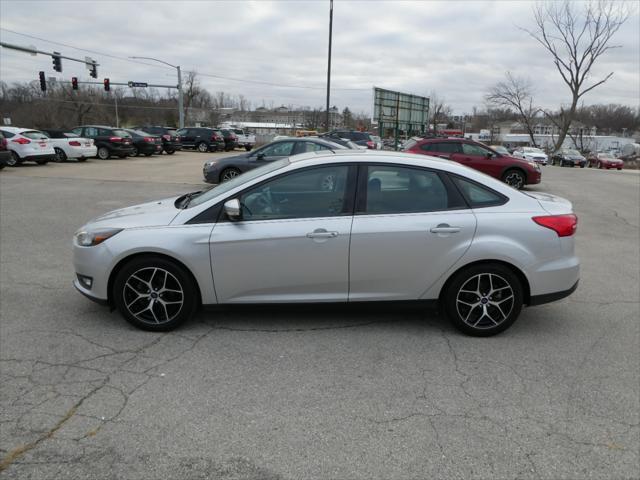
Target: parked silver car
<point x="390" y="227"/>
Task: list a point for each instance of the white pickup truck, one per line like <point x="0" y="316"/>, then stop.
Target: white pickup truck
<point x="246" y="140"/>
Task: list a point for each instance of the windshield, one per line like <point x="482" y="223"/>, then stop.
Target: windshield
<point x="572" y="152"/>
<point x="223" y="188"/>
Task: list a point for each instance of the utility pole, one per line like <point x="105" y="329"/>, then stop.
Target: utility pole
<point x="115" y="98"/>
<point x="180" y="93"/>
<point x="329" y="66"/>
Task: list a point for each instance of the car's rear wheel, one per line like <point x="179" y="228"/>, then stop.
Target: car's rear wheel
<point x="514" y="178"/>
<point x="155" y="293"/>
<point x="60" y="155"/>
<point x="248" y="148"/>
<point x="229" y="173"/>
<point x="170" y="152"/>
<point x="103" y="153"/>
<point x="14" y="160"/>
<point x="483" y="300"/>
<point x="135" y="152"/>
<point x="202" y="147"/>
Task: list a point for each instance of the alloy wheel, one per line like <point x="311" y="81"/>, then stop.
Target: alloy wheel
<point x="153" y="295"/>
<point x="202" y="147"/>
<point x="514" y="179"/>
<point x="485" y="301"/>
<point x="229" y="174"/>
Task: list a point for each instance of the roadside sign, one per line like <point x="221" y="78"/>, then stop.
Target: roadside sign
<point x="6" y="120"/>
<point x="138" y="84"/>
<point x="398" y="112"/>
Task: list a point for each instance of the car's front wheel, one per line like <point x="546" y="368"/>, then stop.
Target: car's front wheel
<point x="483" y="300"/>
<point x="14" y="160"/>
<point x="154" y="293"/>
<point x="229" y="173"/>
<point x="514" y="178"/>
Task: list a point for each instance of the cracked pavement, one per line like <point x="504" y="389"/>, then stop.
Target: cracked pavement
<point x="280" y="393"/>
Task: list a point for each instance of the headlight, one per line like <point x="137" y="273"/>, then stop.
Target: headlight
<point x="534" y="165"/>
<point x="91" y="238"/>
<point x="209" y="163"/>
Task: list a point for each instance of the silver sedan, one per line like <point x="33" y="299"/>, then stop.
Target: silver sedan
<point x="343" y="226"/>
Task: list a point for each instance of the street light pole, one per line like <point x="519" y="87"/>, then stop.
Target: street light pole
<point x="180" y="93"/>
<point x="329" y="66"/>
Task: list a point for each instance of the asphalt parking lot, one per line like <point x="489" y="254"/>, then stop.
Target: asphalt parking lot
<point x="298" y="393"/>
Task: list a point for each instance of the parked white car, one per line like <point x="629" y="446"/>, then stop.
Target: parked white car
<point x="531" y="154"/>
<point x="28" y="145"/>
<point x="69" y="145"/>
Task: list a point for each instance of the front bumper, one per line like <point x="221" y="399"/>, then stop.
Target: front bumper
<point x="534" y="177"/>
<point x="88" y="294"/>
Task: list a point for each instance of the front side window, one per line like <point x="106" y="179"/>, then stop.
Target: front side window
<point x="470" y="149"/>
<point x="280" y="149"/>
<point x="395" y="189"/>
<point x="314" y="192"/>
<point x="476" y="195"/>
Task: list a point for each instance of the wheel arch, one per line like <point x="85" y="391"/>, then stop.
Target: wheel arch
<point x="517" y="168"/>
<point x="122" y="262"/>
<point x="526" y="288"/>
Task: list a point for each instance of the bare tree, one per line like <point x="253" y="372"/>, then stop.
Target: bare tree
<point x="575" y="38"/>
<point x="440" y="111"/>
<point x="516" y="93"/>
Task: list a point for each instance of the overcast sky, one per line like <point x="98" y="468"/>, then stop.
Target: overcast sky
<point x="456" y="48"/>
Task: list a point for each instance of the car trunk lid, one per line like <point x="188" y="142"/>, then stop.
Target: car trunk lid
<point x="552" y="203"/>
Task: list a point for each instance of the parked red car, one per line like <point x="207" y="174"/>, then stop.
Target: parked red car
<point x="604" y="160"/>
<point x="513" y="171"/>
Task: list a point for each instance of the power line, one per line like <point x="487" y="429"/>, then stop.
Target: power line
<point x="209" y="75"/>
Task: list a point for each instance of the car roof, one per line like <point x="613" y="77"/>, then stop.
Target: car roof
<point x="18" y="129"/>
<point x="375" y="156"/>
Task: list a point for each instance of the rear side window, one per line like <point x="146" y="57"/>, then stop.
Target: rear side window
<point x="122" y="133"/>
<point x="476" y="195"/>
<point x="396" y="189"/>
<point x="7" y="134"/>
<point x="442" y="147"/>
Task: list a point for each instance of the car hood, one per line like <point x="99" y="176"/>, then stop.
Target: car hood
<point x="151" y="214"/>
<point x="573" y="157"/>
<point x="518" y="160"/>
<point x="236" y="159"/>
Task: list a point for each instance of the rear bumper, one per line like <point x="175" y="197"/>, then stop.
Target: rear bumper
<point x="82" y="152"/>
<point x="552" y="297"/>
<point x="35" y="158"/>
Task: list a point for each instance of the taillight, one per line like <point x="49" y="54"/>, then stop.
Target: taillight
<point x="371" y="144"/>
<point x="167" y="137"/>
<point x="21" y="141"/>
<point x="149" y="139"/>
<point x="178" y="138"/>
<point x="74" y="143"/>
<point x="563" y="225"/>
<point x="115" y="139"/>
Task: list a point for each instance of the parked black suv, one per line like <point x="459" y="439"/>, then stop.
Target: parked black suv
<point x="202" y="139"/>
<point x="230" y="139"/>
<point x="359" y="138"/>
<point x="109" y="140"/>
<point x="144" y="143"/>
<point x="171" y="141"/>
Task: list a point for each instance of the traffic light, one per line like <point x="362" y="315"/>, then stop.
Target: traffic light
<point x="57" y="61"/>
<point x="93" y="71"/>
<point x="107" y="87"/>
<point x="43" y="82"/>
<point x="74" y="83"/>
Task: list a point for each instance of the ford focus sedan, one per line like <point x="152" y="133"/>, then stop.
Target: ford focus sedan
<point x="341" y="226"/>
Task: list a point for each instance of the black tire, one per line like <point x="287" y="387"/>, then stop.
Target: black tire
<point x="463" y="316"/>
<point x="202" y="147"/>
<point x="42" y="162"/>
<point x="514" y="178"/>
<point x="145" y="274"/>
<point x="103" y="153"/>
<point x="15" y="160"/>
<point x="148" y="154"/>
<point x="582" y="165"/>
<point x="2" y="165"/>
<point x="170" y="152"/>
<point x="248" y="147"/>
<point x="135" y="152"/>
<point x="229" y="173"/>
<point x="60" y="155"/>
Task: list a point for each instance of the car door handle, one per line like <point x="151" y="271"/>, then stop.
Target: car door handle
<point x="321" y="233"/>
<point x="445" y="228"/>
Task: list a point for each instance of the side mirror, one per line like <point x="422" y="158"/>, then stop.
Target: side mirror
<point x="232" y="209"/>
<point x="260" y="156"/>
<point x="490" y="155"/>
